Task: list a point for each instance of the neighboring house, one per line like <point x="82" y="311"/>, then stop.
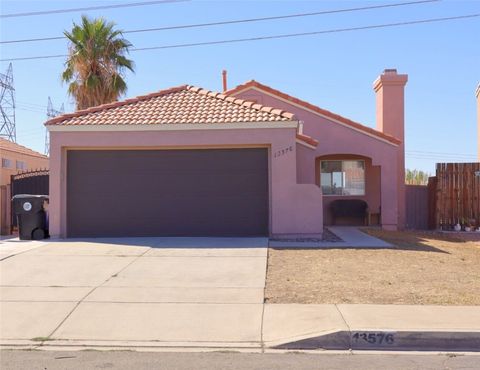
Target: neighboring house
<point x="191" y="162"/>
<point x="15" y="158"/>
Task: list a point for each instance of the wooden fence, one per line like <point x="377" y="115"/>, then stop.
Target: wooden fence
<point x="456" y="198"/>
<point x="417" y="206"/>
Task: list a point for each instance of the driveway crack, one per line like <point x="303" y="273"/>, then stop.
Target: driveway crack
<point x="93" y="289"/>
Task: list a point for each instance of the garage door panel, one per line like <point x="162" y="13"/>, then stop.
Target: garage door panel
<point x="194" y="192"/>
<point x="176" y="192"/>
<point x="200" y="183"/>
<point x="179" y="206"/>
<point x="168" y="226"/>
<point x="162" y="159"/>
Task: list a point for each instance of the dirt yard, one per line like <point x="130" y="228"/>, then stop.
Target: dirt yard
<point x="423" y="268"/>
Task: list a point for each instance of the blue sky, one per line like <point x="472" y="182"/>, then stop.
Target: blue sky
<point x="334" y="71"/>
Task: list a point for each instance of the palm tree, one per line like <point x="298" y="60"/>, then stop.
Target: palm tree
<point x="96" y="63"/>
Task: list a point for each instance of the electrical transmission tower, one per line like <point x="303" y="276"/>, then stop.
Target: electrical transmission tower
<point x="7" y="106"/>
<point x="51" y="113"/>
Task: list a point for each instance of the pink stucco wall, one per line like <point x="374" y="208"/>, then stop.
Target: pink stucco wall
<point x="335" y="139"/>
<point x="295" y="209"/>
<point x="390" y="119"/>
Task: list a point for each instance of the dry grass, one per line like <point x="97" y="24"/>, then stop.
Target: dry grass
<point x="423" y="268"/>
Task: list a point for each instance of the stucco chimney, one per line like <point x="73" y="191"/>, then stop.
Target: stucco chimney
<point x="389" y="88"/>
<point x="224" y="80"/>
<point x="477" y="93"/>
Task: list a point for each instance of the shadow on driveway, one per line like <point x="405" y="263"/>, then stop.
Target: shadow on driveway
<point x="174" y="242"/>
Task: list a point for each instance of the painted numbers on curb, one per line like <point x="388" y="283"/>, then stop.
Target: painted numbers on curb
<point x="373" y="338"/>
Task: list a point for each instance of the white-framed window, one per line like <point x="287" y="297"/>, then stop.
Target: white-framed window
<point x="6" y="163"/>
<point x="342" y="177"/>
<point x="21" y="165"/>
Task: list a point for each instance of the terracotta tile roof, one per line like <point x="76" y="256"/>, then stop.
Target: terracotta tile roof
<point x="302" y="103"/>
<point x="17" y="148"/>
<point x="307" y="139"/>
<point x="178" y="105"/>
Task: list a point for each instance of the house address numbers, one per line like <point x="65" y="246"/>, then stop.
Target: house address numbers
<point x="283" y="151"/>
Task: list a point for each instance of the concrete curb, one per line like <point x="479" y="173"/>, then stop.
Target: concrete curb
<point x="129" y="344"/>
<point x="386" y="340"/>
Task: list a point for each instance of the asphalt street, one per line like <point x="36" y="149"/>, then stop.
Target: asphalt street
<point x="127" y="360"/>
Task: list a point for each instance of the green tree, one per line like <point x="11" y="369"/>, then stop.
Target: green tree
<point x="415" y="177"/>
<point x="96" y="63"/>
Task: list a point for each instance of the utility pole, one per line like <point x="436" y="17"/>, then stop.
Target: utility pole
<point x="7" y="106"/>
<point x="51" y="113"/>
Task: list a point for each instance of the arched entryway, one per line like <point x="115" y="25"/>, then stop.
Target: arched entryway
<point x="349" y="177"/>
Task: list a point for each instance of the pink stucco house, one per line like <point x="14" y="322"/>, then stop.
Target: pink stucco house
<point x="250" y="161"/>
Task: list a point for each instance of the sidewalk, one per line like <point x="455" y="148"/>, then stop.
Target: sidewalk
<point x="372" y="327"/>
<point x="281" y="327"/>
<point x="351" y="237"/>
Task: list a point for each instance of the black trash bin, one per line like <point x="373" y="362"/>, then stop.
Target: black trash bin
<point x="31" y="216"/>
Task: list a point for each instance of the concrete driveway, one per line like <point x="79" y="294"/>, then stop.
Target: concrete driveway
<point x="174" y="291"/>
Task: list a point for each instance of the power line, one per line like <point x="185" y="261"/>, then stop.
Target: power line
<point x="444" y="160"/>
<point x="291" y="35"/>
<point x="337" y="30"/>
<point x="31" y="132"/>
<point x="249" y="20"/>
<point x="71" y="10"/>
<point x="36" y="57"/>
<point x="30" y="106"/>
<point x="451" y="157"/>
<point x="29" y="110"/>
<point x="34" y="105"/>
<point x="419" y="152"/>
<point x="441" y="155"/>
<point x="457" y="155"/>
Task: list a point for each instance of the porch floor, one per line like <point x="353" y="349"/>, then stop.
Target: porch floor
<point x="351" y="237"/>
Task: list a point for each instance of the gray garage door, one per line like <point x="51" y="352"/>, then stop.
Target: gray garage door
<point x="214" y="192"/>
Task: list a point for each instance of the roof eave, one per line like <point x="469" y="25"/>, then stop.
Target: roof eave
<point x="174" y="127"/>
